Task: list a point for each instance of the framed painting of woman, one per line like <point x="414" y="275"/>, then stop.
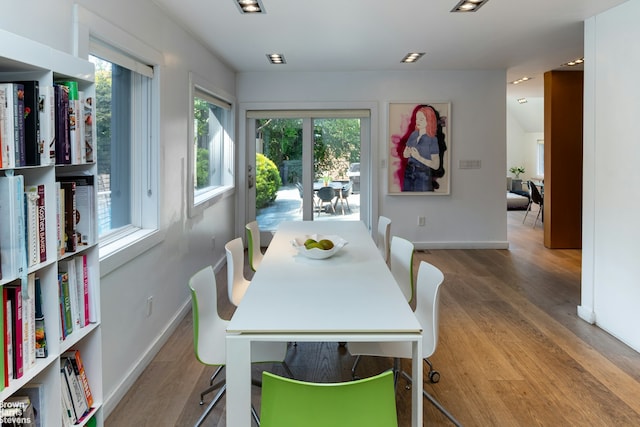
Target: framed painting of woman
<point x="419" y="148"/>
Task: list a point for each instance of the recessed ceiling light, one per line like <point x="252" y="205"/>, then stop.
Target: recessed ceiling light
<point x="250" y="6"/>
<point x="520" y="80"/>
<point x="276" y="58"/>
<point x="573" y="63"/>
<point x="412" y="57"/>
<point x="468" y="5"/>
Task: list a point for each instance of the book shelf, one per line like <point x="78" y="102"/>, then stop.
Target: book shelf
<point x="22" y="59"/>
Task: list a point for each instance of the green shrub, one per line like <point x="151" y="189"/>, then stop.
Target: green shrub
<point x="267" y="181"/>
<point x="202" y="171"/>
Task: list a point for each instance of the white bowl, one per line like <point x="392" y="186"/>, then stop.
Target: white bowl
<point x="316" y="253"/>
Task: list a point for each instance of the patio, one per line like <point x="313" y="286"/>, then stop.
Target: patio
<point x="287" y="207"/>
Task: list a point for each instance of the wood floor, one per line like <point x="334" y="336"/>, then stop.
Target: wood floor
<point x="512" y="351"/>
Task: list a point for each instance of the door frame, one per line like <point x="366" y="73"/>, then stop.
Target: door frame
<point x="369" y="155"/>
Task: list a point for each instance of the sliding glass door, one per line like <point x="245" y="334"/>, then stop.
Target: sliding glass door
<point x="304" y="166"/>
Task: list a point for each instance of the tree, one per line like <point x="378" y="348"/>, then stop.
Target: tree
<point x="336" y="143"/>
<point x="103" y="115"/>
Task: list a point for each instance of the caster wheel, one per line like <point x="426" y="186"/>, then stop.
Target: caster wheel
<point x="434" y="376"/>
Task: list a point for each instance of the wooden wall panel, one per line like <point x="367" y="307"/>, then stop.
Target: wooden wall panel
<point x="563" y="117"/>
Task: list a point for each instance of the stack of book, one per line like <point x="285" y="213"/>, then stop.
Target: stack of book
<point x="43" y="125"/>
<point x="20" y="309"/>
<point x="77" y="399"/>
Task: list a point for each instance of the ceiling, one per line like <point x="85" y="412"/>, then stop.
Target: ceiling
<point x="524" y="38"/>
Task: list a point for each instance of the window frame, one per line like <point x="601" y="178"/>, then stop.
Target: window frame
<point x="199" y="200"/>
<point x="120" y="247"/>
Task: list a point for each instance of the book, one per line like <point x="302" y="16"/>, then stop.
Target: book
<point x="84" y="209"/>
<point x="82" y="278"/>
<point x="89" y="114"/>
<point x="65" y="305"/>
<point x="47" y="118"/>
<point x="32" y="233"/>
<point x="35" y="392"/>
<point x="31" y="122"/>
<point x="78" y="367"/>
<point x="78" y="399"/>
<point x="14" y="119"/>
<point x="3" y="349"/>
<point x="18" y="411"/>
<point x="29" y="323"/>
<point x="68" y="266"/>
<point x="42" y="223"/>
<point x="63" y="144"/>
<point x="70" y="238"/>
<point x="8" y="337"/>
<point x="68" y="413"/>
<point x="75" y="138"/>
<point x="13" y="254"/>
<point x="60" y="219"/>
<point x="18" y="120"/>
<point x="41" y="348"/>
<point x="3" y="107"/>
<point x="8" y="126"/>
<point x="14" y="299"/>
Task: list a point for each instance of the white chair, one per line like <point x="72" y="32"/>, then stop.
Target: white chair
<point x="401" y="265"/>
<point x="253" y="244"/>
<point x="236" y="283"/>
<point x="430" y="278"/>
<point x="209" y="337"/>
<point x="384" y="236"/>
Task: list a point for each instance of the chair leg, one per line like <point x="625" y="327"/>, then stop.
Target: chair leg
<point x="354" y="367"/>
<point x="211" y="385"/>
<point x="396" y="372"/>
<point x="254" y="415"/>
<point x="441" y="408"/>
<point x="434" y="401"/>
<point x="285" y="365"/>
<point x="527" y="211"/>
<point x="213" y="377"/>
<point x="537" y="216"/>
<point x="213" y="403"/>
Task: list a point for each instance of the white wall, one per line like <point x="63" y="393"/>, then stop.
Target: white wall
<point x="474" y="215"/>
<point x="163" y="271"/>
<point x="525" y="126"/>
<point x="610" y="268"/>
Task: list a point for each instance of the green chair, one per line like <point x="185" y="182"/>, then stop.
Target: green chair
<point x="368" y="402"/>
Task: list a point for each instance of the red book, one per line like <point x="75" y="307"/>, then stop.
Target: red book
<point x="14" y="296"/>
<point x="8" y="347"/>
<point x="42" y="224"/>
<point x="85" y="289"/>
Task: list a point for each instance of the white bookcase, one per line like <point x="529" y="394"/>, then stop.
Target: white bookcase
<point x="24" y="59"/>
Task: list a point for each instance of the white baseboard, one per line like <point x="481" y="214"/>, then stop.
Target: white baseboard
<point x="462" y="245"/>
<point x="586" y="314"/>
<point x="111" y="401"/>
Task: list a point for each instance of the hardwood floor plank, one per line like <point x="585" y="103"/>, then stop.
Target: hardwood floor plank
<point x="512" y="351"/>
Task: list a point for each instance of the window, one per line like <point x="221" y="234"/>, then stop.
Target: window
<point x="212" y="162"/>
<point x="126" y="151"/>
<point x="540" y="158"/>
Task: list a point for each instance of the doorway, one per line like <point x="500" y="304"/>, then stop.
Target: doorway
<point x="292" y="155"/>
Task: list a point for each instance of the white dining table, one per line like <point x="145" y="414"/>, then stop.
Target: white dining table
<point x="351" y="296"/>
